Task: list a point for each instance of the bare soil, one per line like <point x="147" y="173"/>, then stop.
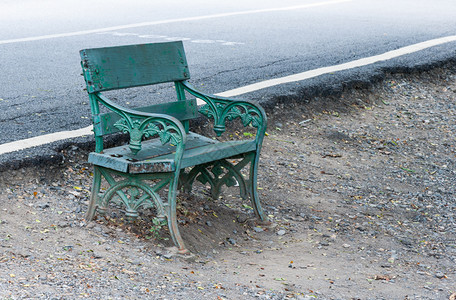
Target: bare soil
<point x="359" y="189"/>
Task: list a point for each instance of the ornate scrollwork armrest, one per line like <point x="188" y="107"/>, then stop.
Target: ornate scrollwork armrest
<point x="141" y="124"/>
<point x="221" y="109"/>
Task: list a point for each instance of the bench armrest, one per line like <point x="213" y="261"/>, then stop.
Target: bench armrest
<point x="142" y="124"/>
<point x="223" y="108"/>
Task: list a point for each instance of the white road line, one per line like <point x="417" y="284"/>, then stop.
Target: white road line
<point x="120" y="27"/>
<point x="44" y="139"/>
<point x="57" y="136"/>
<point x="345" y="66"/>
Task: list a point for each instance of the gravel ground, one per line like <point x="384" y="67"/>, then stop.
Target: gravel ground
<point x="359" y="188"/>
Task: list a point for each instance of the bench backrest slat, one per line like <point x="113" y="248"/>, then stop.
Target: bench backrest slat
<point x="133" y="65"/>
<point x="182" y="110"/>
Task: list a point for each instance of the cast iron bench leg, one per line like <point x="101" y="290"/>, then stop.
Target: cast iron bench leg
<point x="172" y="217"/>
<point x="94" y="195"/>
<point x="253" y="189"/>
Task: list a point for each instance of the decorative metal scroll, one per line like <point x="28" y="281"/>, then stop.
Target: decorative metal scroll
<point x="218" y="174"/>
<point x="248" y="114"/>
<point x="221" y="109"/>
<point x="139" y="128"/>
<point x="133" y="195"/>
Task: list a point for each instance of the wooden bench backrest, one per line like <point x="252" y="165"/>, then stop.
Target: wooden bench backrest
<point x="121" y="67"/>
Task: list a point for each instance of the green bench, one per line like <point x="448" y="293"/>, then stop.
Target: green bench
<point x="163" y="155"/>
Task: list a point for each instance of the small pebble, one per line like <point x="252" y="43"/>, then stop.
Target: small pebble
<point x="439" y="275"/>
<point x="258" y="229"/>
<point x="43" y="205"/>
<point x="231" y="241"/>
<point x="168" y="256"/>
<point x="241" y="218"/>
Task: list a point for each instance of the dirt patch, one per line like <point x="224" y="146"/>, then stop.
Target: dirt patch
<point x="360" y="190"/>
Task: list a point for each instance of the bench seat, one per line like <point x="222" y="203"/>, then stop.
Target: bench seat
<point x="155" y="157"/>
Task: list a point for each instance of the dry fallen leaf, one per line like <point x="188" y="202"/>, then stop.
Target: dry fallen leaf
<point x="128" y="272"/>
<point x="382" y="277"/>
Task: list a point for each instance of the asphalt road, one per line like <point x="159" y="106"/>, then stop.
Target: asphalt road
<point x="229" y="44"/>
